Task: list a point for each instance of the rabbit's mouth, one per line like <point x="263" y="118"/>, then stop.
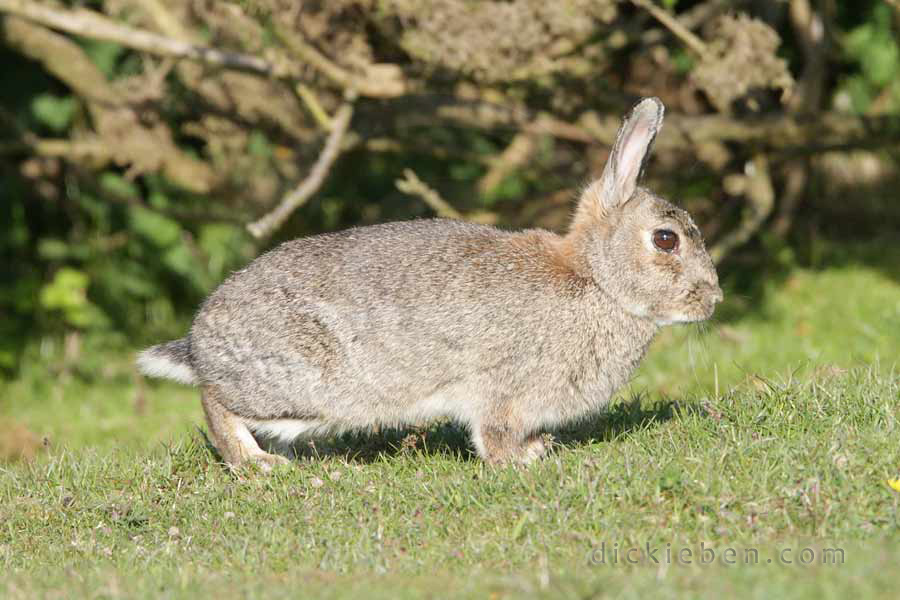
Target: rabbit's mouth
<point x="698" y="304"/>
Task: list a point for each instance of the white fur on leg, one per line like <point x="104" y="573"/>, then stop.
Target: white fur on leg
<point x="285" y="430"/>
<point x="154" y="364"/>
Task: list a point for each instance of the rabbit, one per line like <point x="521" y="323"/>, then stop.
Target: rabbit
<point x="508" y="333"/>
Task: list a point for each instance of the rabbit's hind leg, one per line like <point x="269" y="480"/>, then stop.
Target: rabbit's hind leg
<point x="534" y="448"/>
<point x="507" y="445"/>
<point x="231" y="436"/>
<point x="280" y="435"/>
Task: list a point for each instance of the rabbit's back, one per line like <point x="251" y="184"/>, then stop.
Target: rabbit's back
<point x="384" y="321"/>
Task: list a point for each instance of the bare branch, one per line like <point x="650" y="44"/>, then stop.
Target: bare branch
<point x="810" y="29"/>
<point x="516" y="154"/>
<point x="246" y="94"/>
<point x="796" y="178"/>
<point x="142" y="147"/>
<point x="412" y="185"/>
<point x="90" y="24"/>
<point x="380" y="81"/>
<point x="266" y="225"/>
<point x="756" y="185"/>
<point x="779" y="131"/>
<point x="313" y="105"/>
<point x="384" y="81"/>
<point x="91" y="150"/>
<point x="164" y="20"/>
<point x="691" y="18"/>
<point x="674" y="25"/>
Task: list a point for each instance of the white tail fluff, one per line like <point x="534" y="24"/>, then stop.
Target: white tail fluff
<point x="169" y="361"/>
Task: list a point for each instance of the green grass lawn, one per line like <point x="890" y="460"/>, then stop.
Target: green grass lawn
<point x="773" y="430"/>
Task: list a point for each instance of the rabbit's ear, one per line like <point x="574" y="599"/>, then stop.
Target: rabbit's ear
<point x="623" y="169"/>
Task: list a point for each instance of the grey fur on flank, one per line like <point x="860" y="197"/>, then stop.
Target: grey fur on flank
<point x="507" y="333"/>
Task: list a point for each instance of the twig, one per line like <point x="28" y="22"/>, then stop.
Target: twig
<point x="90" y="24"/>
<point x="412" y="185"/>
<point x="691" y="18"/>
<point x="777" y="131"/>
<point x="129" y="141"/>
<point x="674" y="25"/>
<point x="516" y="154"/>
<point x="248" y="94"/>
<point x="164" y="20"/>
<point x="756" y="186"/>
<point x="387" y="88"/>
<point x="796" y="177"/>
<point x="313" y="105"/>
<point x="810" y="28"/>
<point x="264" y="226"/>
<point x="72" y="150"/>
<point x="309" y="54"/>
<point x="383" y="82"/>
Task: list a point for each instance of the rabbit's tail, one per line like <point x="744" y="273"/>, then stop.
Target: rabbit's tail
<point x="171" y="360"/>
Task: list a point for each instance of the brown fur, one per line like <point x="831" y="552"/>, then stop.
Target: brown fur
<point x="231" y="436"/>
<point x="506" y="333"/>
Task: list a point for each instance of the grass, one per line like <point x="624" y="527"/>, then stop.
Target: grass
<point x="789" y="465"/>
<point x="772" y="430"/>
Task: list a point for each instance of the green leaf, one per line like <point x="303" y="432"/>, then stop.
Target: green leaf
<point x="882" y="62"/>
<point x="54" y="112"/>
<point x="258" y="145"/>
<point x="512" y="186"/>
<point x="52" y="249"/>
<point x="67" y="293"/>
<point x="22" y="295"/>
<point x="68" y="289"/>
<point x="682" y="60"/>
<point x="125" y="280"/>
<point x="874" y="46"/>
<point x="103" y="54"/>
<point x="465" y="171"/>
<point x="116" y="185"/>
<point x="154" y="227"/>
<point x="859" y="39"/>
<point x="179" y="259"/>
<point x="860" y="93"/>
<point x="221" y="243"/>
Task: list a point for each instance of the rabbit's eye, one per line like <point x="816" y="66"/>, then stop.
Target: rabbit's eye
<point x="666" y="240"/>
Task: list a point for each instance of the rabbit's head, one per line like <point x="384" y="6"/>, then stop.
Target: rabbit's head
<point x="641" y="249"/>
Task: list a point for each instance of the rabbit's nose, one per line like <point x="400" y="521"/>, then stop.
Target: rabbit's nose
<point x="710" y="291"/>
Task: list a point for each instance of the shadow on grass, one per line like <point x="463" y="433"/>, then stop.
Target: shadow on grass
<point x="634" y="414"/>
<point x="452" y="441"/>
